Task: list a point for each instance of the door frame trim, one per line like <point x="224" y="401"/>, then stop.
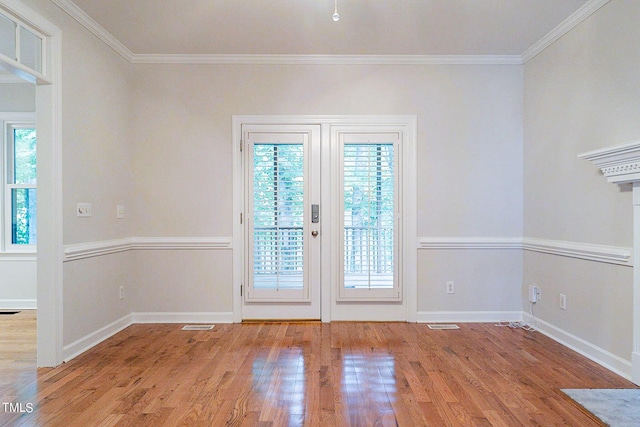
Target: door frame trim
<point x="409" y="188"/>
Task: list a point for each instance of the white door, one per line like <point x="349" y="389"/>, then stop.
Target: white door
<point x="282" y="198"/>
<point x="366" y="223"/>
<point x="328" y="221"/>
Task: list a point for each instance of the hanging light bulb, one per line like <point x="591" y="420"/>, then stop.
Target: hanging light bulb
<point x="336" y="15"/>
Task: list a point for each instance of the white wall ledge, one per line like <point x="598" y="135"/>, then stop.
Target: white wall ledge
<point x="618" y="255"/>
<point x="107" y="247"/>
<point x="620" y="164"/>
<point x="586" y="251"/>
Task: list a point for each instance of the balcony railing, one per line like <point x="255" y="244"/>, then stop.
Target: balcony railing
<point x="366" y="249"/>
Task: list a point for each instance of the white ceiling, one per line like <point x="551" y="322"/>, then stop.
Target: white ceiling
<point x="305" y="27"/>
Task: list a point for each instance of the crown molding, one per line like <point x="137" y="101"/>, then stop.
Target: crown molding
<point x="565" y="26"/>
<point x="86" y="21"/>
<point x="251" y="59"/>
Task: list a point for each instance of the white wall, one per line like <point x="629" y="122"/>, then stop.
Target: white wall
<point x="18" y="278"/>
<point x="17" y="97"/>
<point x="157" y="138"/>
<point x="582" y="93"/>
<point x="96" y="141"/>
<point x="469" y="162"/>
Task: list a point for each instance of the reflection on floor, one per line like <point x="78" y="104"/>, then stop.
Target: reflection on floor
<point x="289" y="374"/>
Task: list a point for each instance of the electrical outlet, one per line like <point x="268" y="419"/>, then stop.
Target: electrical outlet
<point x="120" y="211"/>
<point x="121" y="292"/>
<point x="534" y="293"/>
<point x="451" y="289"/>
<point x="563" y="301"/>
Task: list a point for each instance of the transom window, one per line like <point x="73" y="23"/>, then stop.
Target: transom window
<point x="20" y="43"/>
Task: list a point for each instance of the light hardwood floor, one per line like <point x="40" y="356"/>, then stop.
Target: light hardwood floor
<point x="288" y="374"/>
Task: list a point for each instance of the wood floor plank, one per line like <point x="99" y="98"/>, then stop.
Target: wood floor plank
<point x="302" y="374"/>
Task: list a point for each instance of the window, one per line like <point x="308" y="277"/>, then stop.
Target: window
<point x="20" y="200"/>
<point x="20" y="44"/>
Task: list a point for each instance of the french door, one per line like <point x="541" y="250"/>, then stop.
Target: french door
<point x="322" y="222"/>
<point x="282" y="165"/>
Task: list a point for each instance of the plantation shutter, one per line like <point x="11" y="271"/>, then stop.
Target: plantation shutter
<point x="278" y="216"/>
<point x="369" y="191"/>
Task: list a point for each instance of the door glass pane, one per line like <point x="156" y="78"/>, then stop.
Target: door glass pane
<point x="278" y="216"/>
<point x="369" y="197"/>
<point x="30" y="50"/>
<point x="23" y="216"/>
<point x="7" y="37"/>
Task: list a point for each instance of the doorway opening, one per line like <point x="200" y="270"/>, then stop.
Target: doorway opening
<point x="34" y="55"/>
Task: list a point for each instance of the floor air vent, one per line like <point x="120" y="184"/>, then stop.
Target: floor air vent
<point x="451" y="326"/>
<point x="197" y="327"/>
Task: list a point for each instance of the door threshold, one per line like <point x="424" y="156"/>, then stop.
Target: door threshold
<point x="281" y="321"/>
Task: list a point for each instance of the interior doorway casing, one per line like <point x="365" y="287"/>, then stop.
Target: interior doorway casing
<point x="49" y="165"/>
<point x="408" y="209"/>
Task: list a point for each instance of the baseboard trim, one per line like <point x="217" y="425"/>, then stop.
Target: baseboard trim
<point x="468" y="316"/>
<point x="89" y="341"/>
<point x="599" y="355"/>
<point x="18" y="304"/>
<point x="197" y="317"/>
<point x="603" y="357"/>
<point x="78" y="347"/>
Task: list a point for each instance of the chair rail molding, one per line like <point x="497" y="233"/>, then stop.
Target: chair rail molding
<point x="620" y="164"/>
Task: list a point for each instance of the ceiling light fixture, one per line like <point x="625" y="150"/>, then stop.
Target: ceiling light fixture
<point x="336" y="15"/>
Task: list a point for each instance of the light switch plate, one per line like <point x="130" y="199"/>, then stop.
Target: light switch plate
<point x="120" y="211"/>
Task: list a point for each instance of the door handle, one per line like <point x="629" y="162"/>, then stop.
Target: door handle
<point x="315" y="214"/>
<point x="314" y="233"/>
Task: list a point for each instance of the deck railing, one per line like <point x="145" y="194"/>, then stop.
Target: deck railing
<point x="279" y="250"/>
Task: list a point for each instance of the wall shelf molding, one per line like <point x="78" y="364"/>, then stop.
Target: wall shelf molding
<point x="619" y="164"/>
